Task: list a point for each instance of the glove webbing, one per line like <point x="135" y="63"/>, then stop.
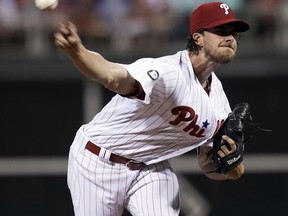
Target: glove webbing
<point x="239" y="127"/>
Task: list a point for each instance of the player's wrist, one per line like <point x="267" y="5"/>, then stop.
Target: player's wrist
<point x="236" y="173"/>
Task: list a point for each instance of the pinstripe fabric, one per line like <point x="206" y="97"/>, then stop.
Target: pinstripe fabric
<point x="142" y="130"/>
<point x="176" y="116"/>
<point x="102" y="188"/>
<point x="155" y="191"/>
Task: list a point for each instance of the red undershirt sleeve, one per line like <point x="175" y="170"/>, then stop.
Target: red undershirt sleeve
<point x="140" y="94"/>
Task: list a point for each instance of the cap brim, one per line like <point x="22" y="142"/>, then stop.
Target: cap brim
<point x="240" y="25"/>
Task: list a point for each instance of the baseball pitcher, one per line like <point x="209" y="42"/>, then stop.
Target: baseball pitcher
<point x="164" y="107"/>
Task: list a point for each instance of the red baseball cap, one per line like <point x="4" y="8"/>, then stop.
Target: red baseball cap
<point x="214" y="14"/>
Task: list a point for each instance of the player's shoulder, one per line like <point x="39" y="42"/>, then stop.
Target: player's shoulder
<point x="169" y="64"/>
<point x="164" y="62"/>
<point x="172" y="59"/>
<point x="159" y="68"/>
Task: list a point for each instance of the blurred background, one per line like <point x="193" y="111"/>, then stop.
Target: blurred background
<point x="44" y="99"/>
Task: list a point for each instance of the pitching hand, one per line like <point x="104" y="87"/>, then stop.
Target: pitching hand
<point x="67" y="37"/>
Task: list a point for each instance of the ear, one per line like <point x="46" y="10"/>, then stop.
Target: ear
<point x="198" y="38"/>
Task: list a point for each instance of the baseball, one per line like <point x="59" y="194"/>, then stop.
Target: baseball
<point x="46" y="4"/>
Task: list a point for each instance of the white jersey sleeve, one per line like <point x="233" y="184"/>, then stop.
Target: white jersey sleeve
<point x="157" y="78"/>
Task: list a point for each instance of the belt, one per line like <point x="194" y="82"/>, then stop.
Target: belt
<point x="132" y="165"/>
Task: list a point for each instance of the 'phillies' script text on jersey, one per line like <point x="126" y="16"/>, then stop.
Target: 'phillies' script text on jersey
<point x="187" y="114"/>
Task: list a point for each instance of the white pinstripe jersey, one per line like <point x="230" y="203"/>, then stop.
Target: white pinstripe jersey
<point x="176" y="116"/>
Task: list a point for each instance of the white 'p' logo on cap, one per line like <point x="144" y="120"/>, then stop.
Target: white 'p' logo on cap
<point x="225" y="7"/>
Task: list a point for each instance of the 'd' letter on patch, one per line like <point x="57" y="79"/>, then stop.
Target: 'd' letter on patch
<point x="153" y="74"/>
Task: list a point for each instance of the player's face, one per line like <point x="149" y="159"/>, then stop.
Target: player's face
<point x="220" y="44"/>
